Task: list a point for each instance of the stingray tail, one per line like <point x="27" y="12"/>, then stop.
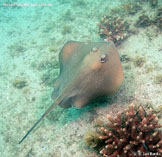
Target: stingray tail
<point x="44" y="115"/>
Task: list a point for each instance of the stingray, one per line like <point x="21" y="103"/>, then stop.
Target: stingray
<point x="88" y="70"/>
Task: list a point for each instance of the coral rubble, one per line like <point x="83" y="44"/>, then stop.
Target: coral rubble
<point x="113" y="29"/>
<point x="131" y="133"/>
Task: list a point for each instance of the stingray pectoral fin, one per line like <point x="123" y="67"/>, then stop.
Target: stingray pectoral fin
<point x="67" y="51"/>
<point x="55" y="93"/>
<point x="80" y="102"/>
<point x="44" y="115"/>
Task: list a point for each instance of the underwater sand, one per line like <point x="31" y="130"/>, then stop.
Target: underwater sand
<point x="30" y="41"/>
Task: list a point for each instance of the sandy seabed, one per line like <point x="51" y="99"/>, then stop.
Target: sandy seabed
<point x="30" y="41"/>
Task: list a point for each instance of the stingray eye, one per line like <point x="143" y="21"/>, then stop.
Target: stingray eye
<point x="103" y="58"/>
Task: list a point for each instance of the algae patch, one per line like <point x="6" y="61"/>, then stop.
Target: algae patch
<point x="49" y="77"/>
<point x="158" y="79"/>
<point x="17" y="49"/>
<point x="91" y="139"/>
<point x="138" y="61"/>
<point x="19" y="83"/>
<point x="66" y="29"/>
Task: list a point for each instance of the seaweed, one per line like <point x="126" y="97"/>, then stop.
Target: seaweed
<point x="66" y="29"/>
<point x="125" y="58"/>
<point x="49" y="77"/>
<point x="91" y="139"/>
<point x="16" y="49"/>
<point x="131" y="8"/>
<point x="138" y="61"/>
<point x="158" y="79"/>
<point x="46" y="65"/>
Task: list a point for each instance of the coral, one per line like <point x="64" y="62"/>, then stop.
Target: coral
<point x="19" y="83"/>
<point x="80" y="3"/>
<point x="113" y="29"/>
<point x="143" y="21"/>
<point x="131" y="133"/>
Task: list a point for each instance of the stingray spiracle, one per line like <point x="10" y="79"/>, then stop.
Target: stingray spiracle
<point x="103" y="58"/>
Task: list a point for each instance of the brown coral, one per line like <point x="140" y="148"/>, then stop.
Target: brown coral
<point x="133" y="133"/>
<point x="113" y="29"/>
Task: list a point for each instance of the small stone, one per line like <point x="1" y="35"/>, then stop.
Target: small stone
<point x="95" y="49"/>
